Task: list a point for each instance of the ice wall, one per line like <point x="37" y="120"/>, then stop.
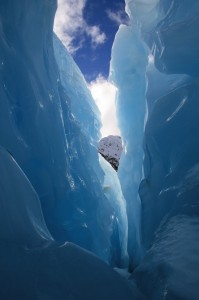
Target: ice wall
<point x="169" y="188"/>
<point x="50" y="178"/>
<point x="33" y="265"/>
<point x="112" y="190"/>
<point x="128" y="72"/>
<point x="38" y="128"/>
<point x="168" y="124"/>
<point x="169" y="192"/>
<point x="75" y="86"/>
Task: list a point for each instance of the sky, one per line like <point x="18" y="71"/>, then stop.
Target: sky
<point x="87" y="28"/>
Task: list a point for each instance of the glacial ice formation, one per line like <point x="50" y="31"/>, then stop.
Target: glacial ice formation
<point x="169" y="188"/>
<point x="127" y="72"/>
<point x="75" y="86"/>
<point x="21" y="218"/>
<point x="43" y="131"/>
<point x="56" y="204"/>
<point x="33" y="265"/>
<point x="112" y="190"/>
<point x="51" y="182"/>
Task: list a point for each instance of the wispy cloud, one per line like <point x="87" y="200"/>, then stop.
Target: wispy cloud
<point x="104" y="93"/>
<point x="97" y="37"/>
<point x="119" y="17"/>
<point x="68" y="21"/>
<point x="70" y="25"/>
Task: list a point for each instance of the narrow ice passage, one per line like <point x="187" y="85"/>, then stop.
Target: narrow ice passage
<point x="63" y="221"/>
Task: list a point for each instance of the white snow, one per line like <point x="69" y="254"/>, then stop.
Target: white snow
<point x="111" y="146"/>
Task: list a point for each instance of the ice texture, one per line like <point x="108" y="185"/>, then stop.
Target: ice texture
<point x="33" y="265"/>
<point x="169" y="195"/>
<point x="39" y="126"/>
<point x="112" y="190"/>
<point x="75" y="86"/>
<point x="128" y="72"/>
<point x="21" y="218"/>
<point x="170" y="268"/>
<point x="51" y="182"/>
<point x="52" y="189"/>
<point x="169" y="236"/>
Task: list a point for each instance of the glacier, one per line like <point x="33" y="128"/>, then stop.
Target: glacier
<point x="127" y="72"/>
<point x="162" y="206"/>
<point x="66" y="219"/>
<point x="45" y="134"/>
<point x="112" y="190"/>
<point x="33" y="264"/>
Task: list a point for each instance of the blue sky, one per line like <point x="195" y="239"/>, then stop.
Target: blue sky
<point x="87" y="28"/>
<point x="100" y="13"/>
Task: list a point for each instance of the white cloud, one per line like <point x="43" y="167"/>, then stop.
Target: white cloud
<point x="69" y="21"/>
<point x="118" y="17"/>
<point x="69" y="24"/>
<point x="97" y="37"/>
<point x="104" y="94"/>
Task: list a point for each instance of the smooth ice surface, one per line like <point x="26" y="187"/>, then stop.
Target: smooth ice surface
<point x="33" y="265"/>
<point x="75" y="86"/>
<point x="166" y="84"/>
<point x="168" y="192"/>
<point x="112" y="190"/>
<point x="21" y="218"/>
<point x="169" y="188"/>
<point x="170" y="130"/>
<point x="39" y="127"/>
<point x="128" y="71"/>
<point x="52" y="188"/>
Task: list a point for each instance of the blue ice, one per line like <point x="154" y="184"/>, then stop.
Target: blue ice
<point x="61" y="225"/>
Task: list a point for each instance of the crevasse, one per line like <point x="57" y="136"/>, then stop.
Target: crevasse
<point x="58" y="236"/>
